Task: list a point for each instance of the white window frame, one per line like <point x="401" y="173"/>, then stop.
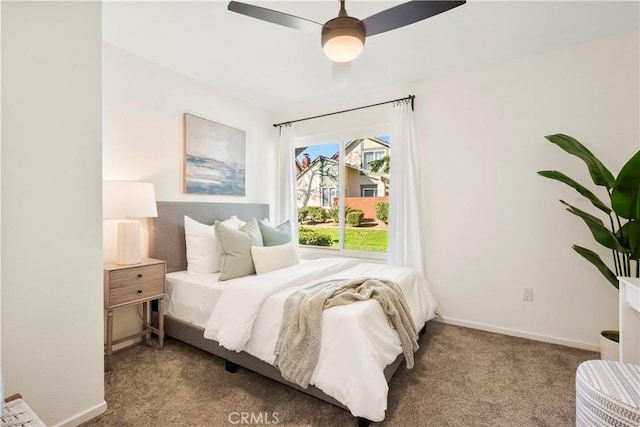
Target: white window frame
<point x="365" y="166"/>
<point x="365" y="188"/>
<point x="334" y="192"/>
<point x="340" y="136"/>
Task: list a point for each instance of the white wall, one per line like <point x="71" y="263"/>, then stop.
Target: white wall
<point x="1" y="380"/>
<point x="51" y="208"/>
<point x="142" y="119"/>
<point x="143" y="107"/>
<point x="494" y="227"/>
<point x="499" y="227"/>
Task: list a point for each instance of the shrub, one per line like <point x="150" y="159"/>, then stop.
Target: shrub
<point x="317" y="213"/>
<point x="308" y="236"/>
<point x="382" y="212"/>
<point x="302" y="214"/>
<point x="354" y="218"/>
<point x="333" y="212"/>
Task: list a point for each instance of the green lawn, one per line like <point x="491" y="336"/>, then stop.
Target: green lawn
<point x="361" y="239"/>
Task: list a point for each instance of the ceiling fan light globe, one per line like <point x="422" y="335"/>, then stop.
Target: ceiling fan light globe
<point x="343" y="38"/>
<point x="343" y="48"/>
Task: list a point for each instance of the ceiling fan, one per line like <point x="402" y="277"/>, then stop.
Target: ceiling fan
<point x="343" y="37"/>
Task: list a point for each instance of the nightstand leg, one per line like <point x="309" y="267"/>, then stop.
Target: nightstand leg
<point x="145" y="319"/>
<point x="161" y="322"/>
<point x="107" y="364"/>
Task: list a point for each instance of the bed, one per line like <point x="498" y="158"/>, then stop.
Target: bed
<point x="191" y="300"/>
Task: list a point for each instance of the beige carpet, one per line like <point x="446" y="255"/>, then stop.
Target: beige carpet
<point x="463" y="377"/>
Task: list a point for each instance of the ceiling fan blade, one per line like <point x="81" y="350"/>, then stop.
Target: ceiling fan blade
<point x="405" y="14"/>
<point x="341" y="72"/>
<point x="275" y="17"/>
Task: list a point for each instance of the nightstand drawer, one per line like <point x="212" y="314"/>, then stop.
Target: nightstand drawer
<point x="136" y="290"/>
<point x="137" y="276"/>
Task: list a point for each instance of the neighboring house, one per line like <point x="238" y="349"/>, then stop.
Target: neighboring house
<point x="298" y="167"/>
<point x="317" y="183"/>
<point x="360" y="181"/>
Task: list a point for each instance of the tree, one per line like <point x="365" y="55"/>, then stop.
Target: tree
<point x="383" y="164"/>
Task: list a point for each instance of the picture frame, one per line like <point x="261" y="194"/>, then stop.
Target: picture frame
<point x="214" y="158"/>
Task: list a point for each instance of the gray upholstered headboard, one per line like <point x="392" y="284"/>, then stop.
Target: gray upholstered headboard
<point x="166" y="237"/>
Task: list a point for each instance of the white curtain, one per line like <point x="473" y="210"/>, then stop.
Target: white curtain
<point x="286" y="201"/>
<point x="405" y="245"/>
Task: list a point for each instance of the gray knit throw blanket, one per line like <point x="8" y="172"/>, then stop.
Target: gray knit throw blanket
<point x="298" y="347"/>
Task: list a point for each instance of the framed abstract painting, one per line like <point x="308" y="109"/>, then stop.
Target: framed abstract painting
<point x="214" y="158"/>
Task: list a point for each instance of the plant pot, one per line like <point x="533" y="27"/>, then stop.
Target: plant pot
<point x="609" y="348"/>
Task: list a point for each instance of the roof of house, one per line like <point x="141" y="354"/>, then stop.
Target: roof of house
<point x="314" y="162"/>
<point x="370" y="174"/>
<point x="360" y="140"/>
<point x="334" y="158"/>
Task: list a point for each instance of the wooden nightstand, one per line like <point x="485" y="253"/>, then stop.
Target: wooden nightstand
<point x="134" y="284"/>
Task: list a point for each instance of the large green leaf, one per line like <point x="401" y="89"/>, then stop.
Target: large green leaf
<point x="625" y="197"/>
<point x="629" y="235"/>
<point x="559" y="176"/>
<point x="595" y="259"/>
<point x="601" y="233"/>
<point x="599" y="173"/>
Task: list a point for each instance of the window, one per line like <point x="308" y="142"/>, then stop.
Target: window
<point x="330" y="185"/>
<point x="370" y="190"/>
<point x="328" y="194"/>
<point x="368" y="156"/>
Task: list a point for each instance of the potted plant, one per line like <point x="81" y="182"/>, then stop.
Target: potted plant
<point x="622" y="234"/>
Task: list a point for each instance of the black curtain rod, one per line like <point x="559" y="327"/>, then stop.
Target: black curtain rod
<point x="407" y="98"/>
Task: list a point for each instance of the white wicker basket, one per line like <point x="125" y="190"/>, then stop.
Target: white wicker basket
<point x="607" y="394"/>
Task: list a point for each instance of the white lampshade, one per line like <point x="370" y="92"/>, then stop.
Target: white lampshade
<point x="128" y="199"/>
<point x="125" y="200"/>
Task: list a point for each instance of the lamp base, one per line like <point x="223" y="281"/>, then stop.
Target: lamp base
<point x="128" y="243"/>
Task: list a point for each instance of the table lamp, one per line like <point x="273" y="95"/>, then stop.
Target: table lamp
<point x="126" y="200"/>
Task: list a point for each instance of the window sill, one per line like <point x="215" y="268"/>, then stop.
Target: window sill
<point x="315" y="252"/>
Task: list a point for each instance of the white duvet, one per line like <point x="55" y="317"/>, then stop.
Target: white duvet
<point x="357" y="339"/>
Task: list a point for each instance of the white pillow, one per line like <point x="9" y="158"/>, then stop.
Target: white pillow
<point x="242" y="223"/>
<point x="203" y="251"/>
<point x="270" y="258"/>
<point x="234" y="222"/>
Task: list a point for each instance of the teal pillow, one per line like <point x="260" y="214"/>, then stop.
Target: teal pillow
<point x="275" y="236"/>
<point x="235" y="248"/>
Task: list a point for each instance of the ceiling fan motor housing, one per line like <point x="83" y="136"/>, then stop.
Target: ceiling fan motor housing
<point x="347" y="31"/>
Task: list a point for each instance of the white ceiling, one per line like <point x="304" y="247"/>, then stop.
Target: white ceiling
<point x="280" y="68"/>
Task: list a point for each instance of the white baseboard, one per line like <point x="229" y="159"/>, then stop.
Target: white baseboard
<point x="128" y="343"/>
<point x="520" y="334"/>
<point x="90" y="413"/>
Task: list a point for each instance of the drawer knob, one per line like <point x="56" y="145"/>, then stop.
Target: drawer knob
<point x="139" y="275"/>
<point x="139" y="291"/>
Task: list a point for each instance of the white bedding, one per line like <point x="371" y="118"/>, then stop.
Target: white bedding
<point x="191" y="297"/>
<point x="357" y="339"/>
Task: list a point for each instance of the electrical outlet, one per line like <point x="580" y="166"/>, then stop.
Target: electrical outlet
<point x="527" y="294"/>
